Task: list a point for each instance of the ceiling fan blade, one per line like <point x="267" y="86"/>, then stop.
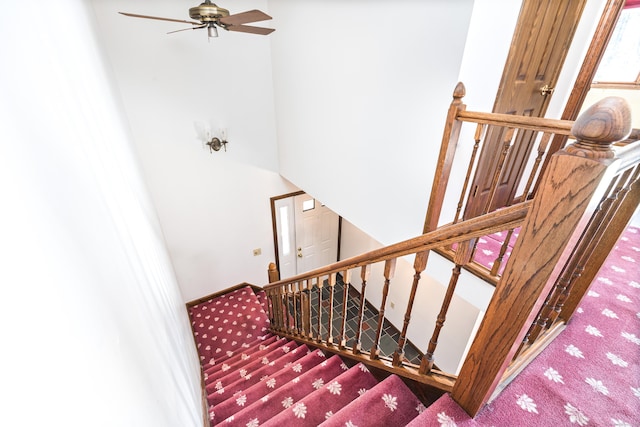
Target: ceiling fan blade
<point x="245" y="17"/>
<point x="250" y="29"/>
<point x="135" y="15"/>
<point x="185" y="29"/>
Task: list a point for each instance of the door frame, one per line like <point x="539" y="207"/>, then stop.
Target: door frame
<point x="582" y="85"/>
<point x="274" y="225"/>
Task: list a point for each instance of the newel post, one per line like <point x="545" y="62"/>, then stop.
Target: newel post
<point x="575" y="180"/>
<point x="445" y="159"/>
<point x="273" y="273"/>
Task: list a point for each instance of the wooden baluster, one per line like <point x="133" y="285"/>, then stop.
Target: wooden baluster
<point x="575" y="177"/>
<point x="542" y="149"/>
<point x="273" y="296"/>
<point x="342" y="343"/>
<point x="419" y="265"/>
<point x="320" y="286"/>
<point x="495" y="268"/>
<point x="627" y="205"/>
<point x="305" y="308"/>
<point x="610" y="207"/>
<point x="364" y="276"/>
<point x="277" y="303"/>
<point x="462" y="258"/>
<point x="570" y="271"/>
<point x="507" y="142"/>
<point x="389" y="271"/>
<point x="331" y="284"/>
<point x="480" y="131"/>
<point x="297" y="330"/>
<point x="288" y="310"/>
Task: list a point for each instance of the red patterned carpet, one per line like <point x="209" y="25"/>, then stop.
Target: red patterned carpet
<point x="589" y="376"/>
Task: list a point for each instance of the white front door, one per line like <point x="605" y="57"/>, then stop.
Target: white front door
<point x="316" y="234"/>
<point x="307" y="235"/>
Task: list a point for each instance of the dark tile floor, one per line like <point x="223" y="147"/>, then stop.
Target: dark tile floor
<point x="389" y="335"/>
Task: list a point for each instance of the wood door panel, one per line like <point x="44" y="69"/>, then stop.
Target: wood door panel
<point x="538" y="49"/>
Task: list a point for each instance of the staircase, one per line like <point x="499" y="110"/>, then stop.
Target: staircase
<point x="254" y="378"/>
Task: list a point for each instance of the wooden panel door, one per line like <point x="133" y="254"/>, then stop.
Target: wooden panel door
<point x="538" y="49"/>
<point x="317" y="231"/>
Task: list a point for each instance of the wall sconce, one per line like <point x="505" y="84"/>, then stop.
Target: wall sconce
<point x="214" y="143"/>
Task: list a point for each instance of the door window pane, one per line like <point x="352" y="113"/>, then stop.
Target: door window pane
<point x="621" y="60"/>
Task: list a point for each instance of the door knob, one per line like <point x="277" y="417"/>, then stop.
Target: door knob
<point x="546" y="90"/>
<point x="299" y="252"/>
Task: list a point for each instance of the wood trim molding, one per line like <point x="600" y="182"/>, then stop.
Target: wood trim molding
<point x="222" y="292"/>
<point x="599" y="42"/>
<point x="274" y="226"/>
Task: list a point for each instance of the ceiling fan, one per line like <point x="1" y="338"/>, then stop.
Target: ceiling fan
<point x="211" y="16"/>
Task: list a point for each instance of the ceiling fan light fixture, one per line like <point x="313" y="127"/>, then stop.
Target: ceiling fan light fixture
<point x="212" y="31"/>
<point x="207" y="12"/>
<point x="209" y="15"/>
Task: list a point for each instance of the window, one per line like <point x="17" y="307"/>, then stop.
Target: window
<point x="620" y="65"/>
<point x="308" y="205"/>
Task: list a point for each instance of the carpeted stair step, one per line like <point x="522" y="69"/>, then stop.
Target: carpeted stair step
<point x="267" y="385"/>
<point x="218" y="361"/>
<point x="389" y="403"/>
<point x="286" y="396"/>
<point x="443" y="412"/>
<point x="215" y="365"/>
<point x="328" y="399"/>
<point x="247" y="356"/>
<point x="254" y="378"/>
<point x="253" y="373"/>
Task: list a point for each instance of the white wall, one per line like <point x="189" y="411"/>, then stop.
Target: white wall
<point x="94" y="330"/>
<point x="362" y="89"/>
<point x="631" y="95"/>
<point x="463" y="316"/>
<point x="485" y="52"/>
<point x="214" y="208"/>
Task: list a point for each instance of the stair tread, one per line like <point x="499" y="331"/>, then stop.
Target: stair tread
<point x="261" y="340"/>
<point x="446" y="411"/>
<point x="290" y="393"/>
<point x="247" y="356"/>
<point x="247" y="376"/>
<point x="265" y="386"/>
<point x="255" y="378"/>
<point x="317" y="406"/>
<point x="389" y="402"/>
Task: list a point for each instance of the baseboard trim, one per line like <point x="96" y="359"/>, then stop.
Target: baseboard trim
<point x="222" y="292"/>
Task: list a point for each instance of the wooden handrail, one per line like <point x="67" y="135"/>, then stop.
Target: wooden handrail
<point x="506" y="218"/>
<point x="540" y="124"/>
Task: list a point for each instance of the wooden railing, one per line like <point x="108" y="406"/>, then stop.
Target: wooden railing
<point x="571" y="215"/>
<point x="290" y="310"/>
<point x="582" y="201"/>
<point x="512" y="131"/>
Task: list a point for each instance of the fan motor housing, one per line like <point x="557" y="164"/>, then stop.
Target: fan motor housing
<point x="207" y="12"/>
